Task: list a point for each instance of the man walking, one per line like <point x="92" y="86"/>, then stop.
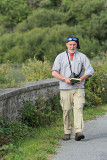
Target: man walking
<point x="72" y="96"/>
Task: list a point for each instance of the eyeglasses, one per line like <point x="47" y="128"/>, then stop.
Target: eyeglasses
<point x="71" y="39"/>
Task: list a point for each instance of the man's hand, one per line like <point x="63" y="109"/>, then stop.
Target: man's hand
<point x="67" y="80"/>
<point x="83" y="78"/>
<point x="79" y="82"/>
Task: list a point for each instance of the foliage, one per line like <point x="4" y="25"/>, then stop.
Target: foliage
<point x="48" y="42"/>
<point x="2" y="30"/>
<point x="93" y="113"/>
<point x="50" y="3"/>
<point x="5" y="80"/>
<point x="33" y="3"/>
<point x="41" y="112"/>
<point x="44" y="31"/>
<point x="47" y="137"/>
<point x="99" y="30"/>
<point x="13" y="12"/>
<point x="85" y="9"/>
<point x="96" y="88"/>
<point x="32" y="70"/>
<point x="10" y="133"/>
<point x="55" y="42"/>
<point x="42" y="18"/>
<point x="15" y="130"/>
<point x="36" y="70"/>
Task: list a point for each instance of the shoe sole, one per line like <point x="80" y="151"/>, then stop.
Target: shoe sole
<point x="66" y="139"/>
<point x="79" y="138"/>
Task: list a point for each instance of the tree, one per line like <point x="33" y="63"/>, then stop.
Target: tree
<point x="13" y="11"/>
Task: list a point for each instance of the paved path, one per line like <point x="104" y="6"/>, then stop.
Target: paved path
<point x="93" y="147"/>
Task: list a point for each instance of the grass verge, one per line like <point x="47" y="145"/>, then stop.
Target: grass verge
<point x="46" y="139"/>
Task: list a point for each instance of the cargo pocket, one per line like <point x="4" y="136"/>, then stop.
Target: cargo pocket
<point x="65" y="100"/>
<point x="61" y="102"/>
<point x="79" y="98"/>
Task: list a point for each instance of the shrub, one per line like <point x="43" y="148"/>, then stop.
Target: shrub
<point x="44" y="32"/>
<point x="41" y="18"/>
<point x="36" y="70"/>
<point x="91" y="99"/>
<point x="96" y="88"/>
<point x="14" y="130"/>
<point x="50" y="3"/>
<point x="5" y="80"/>
<point x="33" y="70"/>
<point x="42" y="112"/>
<point x="13" y="12"/>
<point x="10" y="133"/>
<point x="40" y="42"/>
<point x="84" y="11"/>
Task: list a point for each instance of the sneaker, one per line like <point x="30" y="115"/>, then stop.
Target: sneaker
<point x="79" y="136"/>
<point x="66" y="137"/>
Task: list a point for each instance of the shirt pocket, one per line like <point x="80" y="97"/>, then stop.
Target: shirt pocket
<point x="65" y="70"/>
<point x="77" y="65"/>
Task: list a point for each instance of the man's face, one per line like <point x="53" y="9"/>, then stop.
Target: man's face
<point x="72" y="45"/>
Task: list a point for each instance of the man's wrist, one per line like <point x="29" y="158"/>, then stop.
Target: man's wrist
<point x="63" y="79"/>
<point x="82" y="79"/>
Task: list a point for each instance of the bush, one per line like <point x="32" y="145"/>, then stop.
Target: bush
<point x="32" y="70"/>
<point x="85" y="10"/>
<point x="41" y="113"/>
<point x="96" y="88"/>
<point x="48" y="42"/>
<point x="91" y="99"/>
<point x="100" y="21"/>
<point x="44" y="32"/>
<point x="50" y="3"/>
<point x="36" y="70"/>
<point x="13" y="12"/>
<point x="14" y="130"/>
<point x="25" y="45"/>
<point x="5" y="80"/>
<point x="41" y="18"/>
<point x="11" y="133"/>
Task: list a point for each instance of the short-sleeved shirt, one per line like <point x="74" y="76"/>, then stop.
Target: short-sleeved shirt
<point x="61" y="65"/>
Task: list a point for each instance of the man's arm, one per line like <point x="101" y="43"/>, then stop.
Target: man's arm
<point x="60" y="77"/>
<point x="88" y="70"/>
<point x="84" y="77"/>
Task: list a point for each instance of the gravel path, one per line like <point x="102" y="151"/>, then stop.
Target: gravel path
<point x="93" y="147"/>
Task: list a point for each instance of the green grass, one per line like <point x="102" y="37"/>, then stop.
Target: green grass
<point x="40" y="147"/>
<point x="92" y="113"/>
<point x="46" y="139"/>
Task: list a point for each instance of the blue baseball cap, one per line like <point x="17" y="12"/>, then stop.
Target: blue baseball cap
<point x="74" y="39"/>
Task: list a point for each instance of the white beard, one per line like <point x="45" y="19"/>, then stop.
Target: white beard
<point x="71" y="51"/>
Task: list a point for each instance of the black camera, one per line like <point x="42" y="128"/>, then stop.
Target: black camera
<point x="73" y="75"/>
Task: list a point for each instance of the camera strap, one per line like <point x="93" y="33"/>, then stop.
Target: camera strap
<point x="71" y="67"/>
<point x="69" y="62"/>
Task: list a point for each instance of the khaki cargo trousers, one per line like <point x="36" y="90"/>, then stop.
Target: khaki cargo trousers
<point x="72" y="100"/>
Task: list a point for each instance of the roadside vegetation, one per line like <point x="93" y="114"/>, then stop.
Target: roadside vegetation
<point x="32" y="33"/>
<point x="19" y="140"/>
<point x="31" y="28"/>
<point x="36" y="133"/>
<point x="11" y="75"/>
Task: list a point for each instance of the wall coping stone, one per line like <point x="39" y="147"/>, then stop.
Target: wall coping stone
<point x="29" y="86"/>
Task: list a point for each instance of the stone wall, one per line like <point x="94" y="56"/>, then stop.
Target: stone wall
<point x="11" y="99"/>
